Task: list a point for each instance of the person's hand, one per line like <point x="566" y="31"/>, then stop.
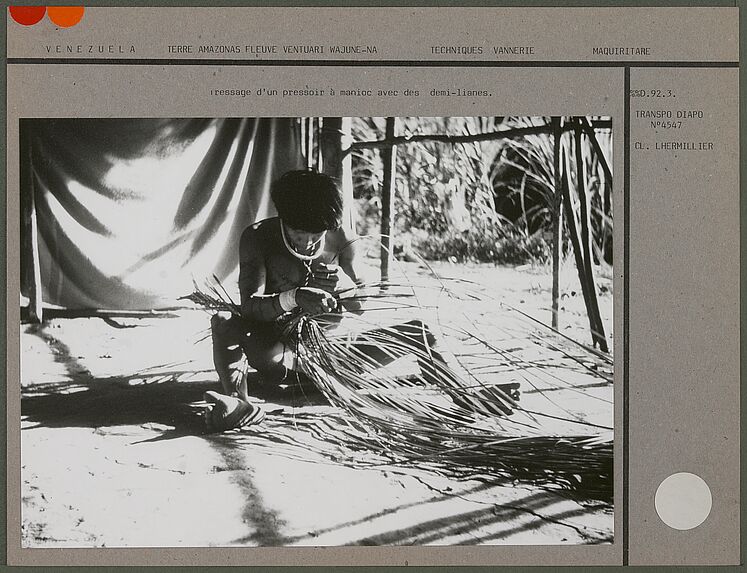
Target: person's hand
<point x="315" y="300"/>
<point x="324" y="276"/>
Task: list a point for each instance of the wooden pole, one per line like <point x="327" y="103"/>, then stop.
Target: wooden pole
<point x="310" y="142"/>
<point x="302" y="130"/>
<point x="335" y="140"/>
<point x="586" y="238"/>
<point x="557" y="223"/>
<point x="346" y="172"/>
<point x="389" y="157"/>
<point x="318" y="137"/>
<point x="472" y="138"/>
<point x="606" y="184"/>
<point x="589" y="131"/>
<point x="570" y="218"/>
<point x="29" y="229"/>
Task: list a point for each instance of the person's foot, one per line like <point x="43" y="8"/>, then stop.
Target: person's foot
<point x="229" y="413"/>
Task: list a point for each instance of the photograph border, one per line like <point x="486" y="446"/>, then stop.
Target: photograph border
<point x="625" y="263"/>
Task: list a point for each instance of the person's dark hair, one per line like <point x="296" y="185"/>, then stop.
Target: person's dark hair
<point x="308" y="201"/>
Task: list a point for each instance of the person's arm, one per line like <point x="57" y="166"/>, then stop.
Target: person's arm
<point x="255" y="305"/>
<point x="348" y="260"/>
<point x="325" y="276"/>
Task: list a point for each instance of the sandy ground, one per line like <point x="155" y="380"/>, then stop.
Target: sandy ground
<point x="114" y="454"/>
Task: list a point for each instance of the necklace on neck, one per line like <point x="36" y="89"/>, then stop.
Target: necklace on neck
<point x="315" y="255"/>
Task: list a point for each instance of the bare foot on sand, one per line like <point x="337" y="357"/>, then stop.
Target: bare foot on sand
<point x="229" y="413"/>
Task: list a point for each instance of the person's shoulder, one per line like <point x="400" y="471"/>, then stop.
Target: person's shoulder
<point x="342" y="234"/>
<point x="260" y="233"/>
<point x="261" y="228"/>
<point x="340" y="238"/>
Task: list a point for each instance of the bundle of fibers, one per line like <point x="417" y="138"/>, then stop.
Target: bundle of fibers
<point x="428" y="405"/>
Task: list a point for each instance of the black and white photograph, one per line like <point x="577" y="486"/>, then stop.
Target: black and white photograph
<point x="316" y="331"/>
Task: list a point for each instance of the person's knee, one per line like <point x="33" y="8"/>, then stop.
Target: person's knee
<point x="218" y="328"/>
<point x="265" y="357"/>
<point x="217" y="320"/>
<point x="258" y="342"/>
<point x="227" y="337"/>
<point x="220" y="325"/>
<point x="227" y="331"/>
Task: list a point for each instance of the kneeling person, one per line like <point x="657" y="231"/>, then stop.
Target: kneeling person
<point x="289" y="261"/>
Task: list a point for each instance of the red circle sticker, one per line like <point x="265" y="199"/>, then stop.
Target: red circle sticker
<point x="27" y="15"/>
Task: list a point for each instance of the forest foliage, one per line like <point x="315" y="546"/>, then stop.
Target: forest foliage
<point x="485" y="201"/>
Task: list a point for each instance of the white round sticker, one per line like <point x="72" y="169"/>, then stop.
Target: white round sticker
<point x="683" y="501"/>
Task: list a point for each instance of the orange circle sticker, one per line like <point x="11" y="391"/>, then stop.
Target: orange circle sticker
<point x="27" y="15"/>
<point x="65" y="16"/>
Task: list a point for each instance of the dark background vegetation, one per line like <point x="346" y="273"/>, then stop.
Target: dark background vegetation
<point x="488" y="201"/>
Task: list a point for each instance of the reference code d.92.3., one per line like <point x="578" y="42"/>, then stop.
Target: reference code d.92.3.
<point x="652" y="93"/>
